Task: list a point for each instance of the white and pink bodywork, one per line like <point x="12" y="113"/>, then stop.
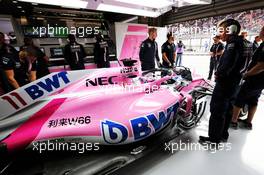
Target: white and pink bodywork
<point x="105" y="107"/>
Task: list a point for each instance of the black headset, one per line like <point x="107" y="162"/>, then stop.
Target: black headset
<point x="233" y="25"/>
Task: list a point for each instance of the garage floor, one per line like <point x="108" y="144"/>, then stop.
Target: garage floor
<point x="246" y="156"/>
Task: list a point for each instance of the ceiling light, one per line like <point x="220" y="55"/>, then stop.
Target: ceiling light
<point x="15" y="2"/>
<point x="64" y="3"/>
<point x="196" y="2"/>
<point x="20" y="7"/>
<point x="39" y="18"/>
<point x="126" y="10"/>
<point x="149" y="3"/>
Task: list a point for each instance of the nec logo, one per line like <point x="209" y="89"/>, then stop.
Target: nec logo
<point x="141" y="127"/>
<point x="100" y="81"/>
<point x="47" y="85"/>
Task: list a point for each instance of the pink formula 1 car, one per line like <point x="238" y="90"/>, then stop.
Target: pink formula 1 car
<point x="115" y="106"/>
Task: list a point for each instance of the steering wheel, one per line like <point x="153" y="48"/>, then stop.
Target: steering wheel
<point x="184" y="72"/>
<point x="180" y="68"/>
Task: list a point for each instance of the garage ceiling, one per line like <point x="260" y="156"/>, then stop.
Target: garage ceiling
<point x="216" y="8"/>
<point x="176" y="10"/>
<point x="148" y="8"/>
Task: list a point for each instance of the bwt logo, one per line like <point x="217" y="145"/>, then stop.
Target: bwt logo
<point x="114" y="132"/>
<point x="100" y="81"/>
<point x="48" y="85"/>
<point x="142" y="127"/>
<point x="36" y="91"/>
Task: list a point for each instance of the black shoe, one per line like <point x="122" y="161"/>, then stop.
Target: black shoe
<point x="203" y="139"/>
<point x="225" y="137"/>
<point x="234" y="125"/>
<point x="246" y="124"/>
<point x="224" y="140"/>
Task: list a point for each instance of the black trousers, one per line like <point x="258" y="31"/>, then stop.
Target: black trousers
<point x="213" y="67"/>
<point x="248" y="94"/>
<point x="78" y="66"/>
<point x="105" y="64"/>
<point x="221" y="107"/>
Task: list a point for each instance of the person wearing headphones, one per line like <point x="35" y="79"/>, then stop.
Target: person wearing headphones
<point x="149" y="51"/>
<point x="228" y="76"/>
<point x="168" y="50"/>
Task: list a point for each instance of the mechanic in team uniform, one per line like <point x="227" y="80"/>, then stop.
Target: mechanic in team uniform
<point x="41" y="58"/>
<point x="5" y="85"/>
<point x="216" y="52"/>
<point x="247" y="51"/>
<point x="168" y="50"/>
<point x="251" y="88"/>
<point x="12" y="69"/>
<point x="74" y="54"/>
<point x="101" y="52"/>
<point x="228" y="77"/>
<point x="149" y="51"/>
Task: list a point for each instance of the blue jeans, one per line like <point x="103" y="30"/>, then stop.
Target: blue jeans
<point x="179" y="59"/>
